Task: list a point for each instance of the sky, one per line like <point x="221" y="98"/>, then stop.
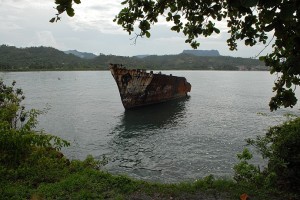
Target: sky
<point x="25" y="23"/>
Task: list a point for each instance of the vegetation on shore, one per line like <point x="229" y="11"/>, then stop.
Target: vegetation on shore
<point x="32" y="167"/>
<point x="47" y="58"/>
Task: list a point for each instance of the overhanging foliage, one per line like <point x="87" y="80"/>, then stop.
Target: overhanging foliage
<point x="247" y="20"/>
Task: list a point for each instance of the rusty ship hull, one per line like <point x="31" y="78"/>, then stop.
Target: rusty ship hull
<point x="138" y="88"/>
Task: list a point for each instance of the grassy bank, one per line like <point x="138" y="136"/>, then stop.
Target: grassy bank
<point x="47" y="174"/>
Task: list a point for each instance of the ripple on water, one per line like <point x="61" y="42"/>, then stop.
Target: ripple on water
<point x="169" y="142"/>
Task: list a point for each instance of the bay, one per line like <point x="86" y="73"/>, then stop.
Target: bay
<point x="169" y="142"/>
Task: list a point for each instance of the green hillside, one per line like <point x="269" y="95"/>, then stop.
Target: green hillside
<point x="47" y="58"/>
<point x="38" y="58"/>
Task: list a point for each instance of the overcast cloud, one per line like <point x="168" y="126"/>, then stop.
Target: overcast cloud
<point x="25" y="23"/>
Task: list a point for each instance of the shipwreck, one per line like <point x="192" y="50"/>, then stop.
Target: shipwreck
<point x="139" y="88"/>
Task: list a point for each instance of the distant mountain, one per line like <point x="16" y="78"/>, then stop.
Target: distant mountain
<point x="79" y="54"/>
<point x="202" y="52"/>
<point x="48" y="58"/>
<point x="190" y="52"/>
<point x="142" y="56"/>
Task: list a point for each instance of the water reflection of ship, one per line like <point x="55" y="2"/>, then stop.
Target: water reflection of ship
<point x="134" y="139"/>
<point x="150" y="118"/>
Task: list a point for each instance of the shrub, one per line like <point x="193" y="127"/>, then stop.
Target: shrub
<point x="281" y="147"/>
<point x="17" y="135"/>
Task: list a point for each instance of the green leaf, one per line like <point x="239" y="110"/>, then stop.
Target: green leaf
<point x="269" y="4"/>
<point x="124" y="2"/>
<point x="175" y="28"/>
<point x="269" y="28"/>
<point x="249" y="3"/>
<point x="60" y="9"/>
<point x="195" y="44"/>
<point x="176" y="19"/>
<point x="268" y="16"/>
<point x="287" y="11"/>
<point x="143" y="25"/>
<point x="234" y="3"/>
<point x="148" y="34"/>
<point x="216" y="30"/>
<point x="288" y="84"/>
<point x="70" y="11"/>
<point x="52" y="20"/>
<point x="77" y="1"/>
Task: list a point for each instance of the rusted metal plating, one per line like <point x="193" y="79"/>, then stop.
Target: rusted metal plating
<point x="139" y="88"/>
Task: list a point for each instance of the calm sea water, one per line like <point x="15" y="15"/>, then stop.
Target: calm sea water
<point x="169" y="142"/>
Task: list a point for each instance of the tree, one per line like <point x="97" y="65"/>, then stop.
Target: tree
<point x="248" y="20"/>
